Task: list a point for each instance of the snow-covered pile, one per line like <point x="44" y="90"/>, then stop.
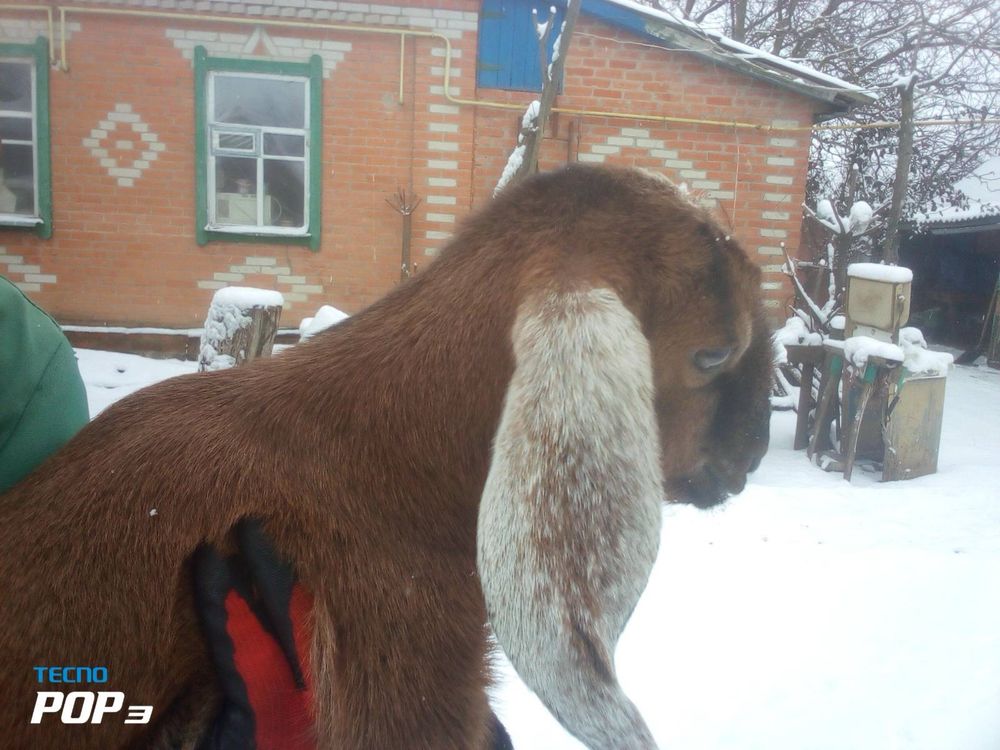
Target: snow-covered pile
<point x="794" y="332"/>
<point x="325" y="317"/>
<point x="911" y="351"/>
<point x="228" y="314"/>
<point x="859" y="349"/>
<point x="917" y="359"/>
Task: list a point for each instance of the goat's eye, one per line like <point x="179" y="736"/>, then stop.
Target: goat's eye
<point x="708" y="360"/>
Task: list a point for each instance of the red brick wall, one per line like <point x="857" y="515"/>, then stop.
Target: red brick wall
<point x="728" y="169"/>
<point x="126" y="254"/>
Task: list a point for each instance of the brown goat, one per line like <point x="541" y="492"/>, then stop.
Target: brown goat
<point x="491" y="441"/>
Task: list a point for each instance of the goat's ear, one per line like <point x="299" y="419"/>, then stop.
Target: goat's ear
<point x="570" y="515"/>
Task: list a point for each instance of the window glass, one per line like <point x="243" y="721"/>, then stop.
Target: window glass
<point x="236" y="141"/>
<point x="15" y="129"/>
<point x="258" y="153"/>
<point x="236" y="191"/>
<point x="15" y="86"/>
<point x="252" y="100"/>
<point x="284" y="184"/>
<point x="260" y="130"/>
<point x="284" y="145"/>
<point x="18" y="184"/>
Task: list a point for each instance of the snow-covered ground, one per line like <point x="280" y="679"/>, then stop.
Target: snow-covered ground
<point x="808" y="613"/>
<point x="110" y="376"/>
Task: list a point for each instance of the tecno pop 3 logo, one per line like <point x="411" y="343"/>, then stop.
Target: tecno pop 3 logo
<point x="74" y="706"/>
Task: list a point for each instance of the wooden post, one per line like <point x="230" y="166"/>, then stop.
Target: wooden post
<point x="993" y="347"/>
<point x="890" y="251"/>
<point x="240" y="327"/>
<point x="807" y="357"/>
<point x="833" y="366"/>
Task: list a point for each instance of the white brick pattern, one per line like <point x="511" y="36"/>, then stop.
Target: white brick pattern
<point x="137" y="138"/>
<point x="444" y="123"/>
<point x="681" y="171"/>
<point x="259" y="44"/>
<point x="26" y="277"/>
<point x="27" y="30"/>
<point x="292" y="287"/>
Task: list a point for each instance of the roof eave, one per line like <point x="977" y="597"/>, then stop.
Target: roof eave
<point x="834" y="101"/>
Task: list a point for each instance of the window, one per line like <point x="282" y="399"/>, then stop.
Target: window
<point x="25" y="193"/>
<point x="259" y="126"/>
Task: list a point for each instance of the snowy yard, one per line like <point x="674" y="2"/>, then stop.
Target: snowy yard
<point x="807" y="613"/>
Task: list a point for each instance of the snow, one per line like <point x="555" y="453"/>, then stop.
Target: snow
<point x="856" y="223"/>
<point x="246" y="297"/>
<point x="981" y="187"/>
<point x="325" y="317"/>
<point x="879" y="272"/>
<point x="918" y="360"/>
<point x="983" y="184"/>
<point x="530" y="115"/>
<point x="528" y="122"/>
<point x="808" y="613"/>
<point x="795" y="332"/>
<point x="858" y="349"/>
<point x="542" y="28"/>
<point x="860" y="217"/>
<point x="110" y="376"/>
<point x="510" y="168"/>
<point x="135" y="331"/>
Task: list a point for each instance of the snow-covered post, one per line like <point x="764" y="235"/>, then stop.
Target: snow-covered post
<point x="240" y="326"/>
<point x="524" y="159"/>
<point x="904" y="154"/>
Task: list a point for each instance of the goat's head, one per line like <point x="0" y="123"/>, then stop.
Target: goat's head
<point x="641" y="374"/>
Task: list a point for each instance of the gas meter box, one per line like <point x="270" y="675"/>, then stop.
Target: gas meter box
<point x="878" y="300"/>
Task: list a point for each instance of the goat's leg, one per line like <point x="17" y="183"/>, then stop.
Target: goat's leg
<point x="408" y="649"/>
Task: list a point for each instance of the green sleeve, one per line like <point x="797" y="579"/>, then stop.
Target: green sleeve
<point x="43" y="402"/>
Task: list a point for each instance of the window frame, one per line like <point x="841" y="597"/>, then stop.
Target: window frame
<point x="205" y="150"/>
<point x="39" y="222"/>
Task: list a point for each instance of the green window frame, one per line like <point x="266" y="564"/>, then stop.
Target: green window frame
<point x="25" y="151"/>
<point x="258" y="166"/>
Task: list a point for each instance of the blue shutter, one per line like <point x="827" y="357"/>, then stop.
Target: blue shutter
<point x="508" y="46"/>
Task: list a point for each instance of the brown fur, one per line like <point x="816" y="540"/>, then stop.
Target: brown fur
<point x="365" y="451"/>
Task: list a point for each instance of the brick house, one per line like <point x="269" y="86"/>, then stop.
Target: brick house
<point x="156" y="150"/>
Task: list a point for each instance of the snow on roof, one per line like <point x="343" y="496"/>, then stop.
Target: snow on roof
<point x="748" y="55"/>
<point x="981" y="187"/>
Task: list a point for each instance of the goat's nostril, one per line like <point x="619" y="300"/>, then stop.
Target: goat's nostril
<point x="710" y="359"/>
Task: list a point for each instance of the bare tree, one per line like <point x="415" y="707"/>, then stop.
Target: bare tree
<point x="953" y="47"/>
